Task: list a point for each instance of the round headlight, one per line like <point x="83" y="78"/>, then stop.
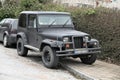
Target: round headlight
<point x="65" y="39"/>
<point x="95" y="43"/>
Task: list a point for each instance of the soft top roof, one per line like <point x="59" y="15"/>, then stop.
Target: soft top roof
<point x="44" y="12"/>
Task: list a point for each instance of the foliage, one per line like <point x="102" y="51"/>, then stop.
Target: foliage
<point x="44" y="1"/>
<point x="28" y="4"/>
<point x="53" y="7"/>
<point x="90" y="12"/>
<point x="105" y="26"/>
<point x="7" y="12"/>
<point x="0" y="4"/>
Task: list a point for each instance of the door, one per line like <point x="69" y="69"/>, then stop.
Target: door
<point x="32" y="31"/>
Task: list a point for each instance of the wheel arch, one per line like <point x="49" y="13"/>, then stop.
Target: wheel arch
<point x="49" y="42"/>
<point x="43" y="44"/>
<point x="5" y="33"/>
<point x="23" y="36"/>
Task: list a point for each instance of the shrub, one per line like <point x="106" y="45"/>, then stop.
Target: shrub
<point x="0" y="4"/>
<point x="7" y="13"/>
<point x="44" y="1"/>
<point x="53" y="7"/>
<point x="29" y="4"/>
<point x="105" y="26"/>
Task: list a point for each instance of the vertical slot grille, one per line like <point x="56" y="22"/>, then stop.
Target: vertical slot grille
<point x="78" y="42"/>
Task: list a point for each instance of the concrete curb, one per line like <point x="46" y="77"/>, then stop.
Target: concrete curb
<point x="76" y="73"/>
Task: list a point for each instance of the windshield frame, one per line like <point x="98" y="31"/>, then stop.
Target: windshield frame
<point x="39" y="26"/>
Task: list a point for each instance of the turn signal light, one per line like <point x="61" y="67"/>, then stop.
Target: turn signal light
<point x="84" y="45"/>
<point x="67" y="46"/>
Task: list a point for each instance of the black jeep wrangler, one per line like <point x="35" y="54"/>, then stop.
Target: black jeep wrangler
<point x="53" y="34"/>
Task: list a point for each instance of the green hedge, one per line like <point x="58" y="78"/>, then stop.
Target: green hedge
<point x="103" y="24"/>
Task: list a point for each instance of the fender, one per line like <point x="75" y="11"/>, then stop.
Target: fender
<point x="52" y="43"/>
<point x="23" y="36"/>
<point x="6" y="32"/>
<point x="94" y="40"/>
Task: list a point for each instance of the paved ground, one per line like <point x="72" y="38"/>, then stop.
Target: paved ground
<point x="14" y="67"/>
<point x="98" y="71"/>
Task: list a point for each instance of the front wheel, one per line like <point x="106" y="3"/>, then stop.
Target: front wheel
<point x="21" y="50"/>
<point x="49" y="58"/>
<point x="88" y="59"/>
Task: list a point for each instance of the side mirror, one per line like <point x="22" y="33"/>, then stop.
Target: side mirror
<point x="74" y="23"/>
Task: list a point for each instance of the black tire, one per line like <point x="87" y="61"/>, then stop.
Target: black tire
<point x="5" y="41"/>
<point x="88" y="59"/>
<point x="21" y="50"/>
<point x="49" y="58"/>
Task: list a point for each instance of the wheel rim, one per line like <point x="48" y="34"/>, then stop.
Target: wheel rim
<point x="47" y="56"/>
<point x="19" y="47"/>
<point x="5" y="41"/>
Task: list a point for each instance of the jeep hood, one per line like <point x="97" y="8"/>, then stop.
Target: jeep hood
<point x="62" y="32"/>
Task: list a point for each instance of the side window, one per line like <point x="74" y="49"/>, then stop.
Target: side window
<point x="32" y="21"/>
<point x="2" y="22"/>
<point x="6" y="23"/>
<point x="22" y="20"/>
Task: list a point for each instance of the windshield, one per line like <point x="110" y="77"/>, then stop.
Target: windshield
<point x="54" y="20"/>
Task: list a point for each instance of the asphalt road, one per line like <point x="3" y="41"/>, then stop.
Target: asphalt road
<point x="14" y="67"/>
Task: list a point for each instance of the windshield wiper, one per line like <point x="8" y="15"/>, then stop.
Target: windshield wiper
<point x="66" y="22"/>
<point x="52" y="23"/>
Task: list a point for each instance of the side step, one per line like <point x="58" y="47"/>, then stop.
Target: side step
<point x="32" y="48"/>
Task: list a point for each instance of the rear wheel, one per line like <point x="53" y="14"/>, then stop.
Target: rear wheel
<point x="88" y="59"/>
<point x="21" y="50"/>
<point x="5" y="41"/>
<point x="49" y="58"/>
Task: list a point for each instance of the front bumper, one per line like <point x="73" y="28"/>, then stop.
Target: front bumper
<point x="82" y="51"/>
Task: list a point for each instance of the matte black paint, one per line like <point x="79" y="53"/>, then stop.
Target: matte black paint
<point x="52" y="35"/>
